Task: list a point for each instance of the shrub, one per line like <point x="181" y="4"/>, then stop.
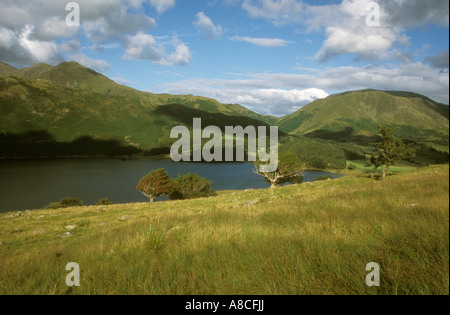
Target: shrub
<point x="104" y="202"/>
<point x="352" y="167"/>
<point x="65" y="203"/>
<point x="191" y="186"/>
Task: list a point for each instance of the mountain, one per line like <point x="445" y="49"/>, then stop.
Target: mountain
<point x="73" y="75"/>
<point x="353" y="117"/>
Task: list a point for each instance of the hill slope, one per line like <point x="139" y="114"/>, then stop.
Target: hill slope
<point x="76" y="76"/>
<point x="66" y="114"/>
<point x="353" y="116"/>
<point x="312" y="238"/>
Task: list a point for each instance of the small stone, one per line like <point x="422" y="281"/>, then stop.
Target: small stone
<point x="104" y="224"/>
<point x="102" y="209"/>
<point x="235" y="200"/>
<point x="251" y="202"/>
<point x="412" y="205"/>
<point x="112" y="251"/>
<point x="40" y="217"/>
<point x="125" y="217"/>
<point x="70" y="227"/>
<point x="39" y="231"/>
<point x="65" y="235"/>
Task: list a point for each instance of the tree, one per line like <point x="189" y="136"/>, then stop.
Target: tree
<point x="156" y="184"/>
<point x="191" y="186"/>
<point x="290" y="170"/>
<point x="391" y="149"/>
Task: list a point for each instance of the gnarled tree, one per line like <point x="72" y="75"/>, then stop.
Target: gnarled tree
<point x="156" y="184"/>
<point x="290" y="170"/>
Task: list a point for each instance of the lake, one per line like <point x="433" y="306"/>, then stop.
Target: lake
<point x="33" y="184"/>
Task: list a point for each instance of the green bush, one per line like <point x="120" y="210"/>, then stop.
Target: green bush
<point x="352" y="167"/>
<point x="65" y="203"/>
<point x="191" y="186"/>
<point x="104" y="202"/>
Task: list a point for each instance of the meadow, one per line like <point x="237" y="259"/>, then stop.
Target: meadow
<point x="307" y="239"/>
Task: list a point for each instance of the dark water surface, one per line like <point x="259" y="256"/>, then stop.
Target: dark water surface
<point x="33" y="184"/>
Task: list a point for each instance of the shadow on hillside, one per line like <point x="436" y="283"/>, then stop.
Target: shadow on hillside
<point x="42" y="144"/>
<point x="347" y="135"/>
<point x="185" y="116"/>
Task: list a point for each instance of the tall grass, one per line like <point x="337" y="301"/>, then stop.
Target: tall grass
<point x="314" y="238"/>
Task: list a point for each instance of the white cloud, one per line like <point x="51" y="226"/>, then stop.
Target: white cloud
<point x="345" y="25"/>
<point x="96" y="64"/>
<point x="278" y="11"/>
<point x="282" y="93"/>
<point x="162" y="5"/>
<point x="145" y="47"/>
<point x="204" y="24"/>
<point x="19" y="48"/>
<point x="264" y="42"/>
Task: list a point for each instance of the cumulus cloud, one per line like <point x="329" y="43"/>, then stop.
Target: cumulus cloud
<point x="19" y="48"/>
<point x="36" y="31"/>
<point x="205" y="25"/>
<point x="283" y="93"/>
<point x="345" y="24"/>
<point x="264" y="42"/>
<point x="96" y="64"/>
<point x="145" y="47"/>
<point x="440" y="61"/>
<point x="278" y="11"/>
<point x="162" y="5"/>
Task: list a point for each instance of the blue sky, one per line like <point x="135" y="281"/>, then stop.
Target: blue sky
<point x="272" y="56"/>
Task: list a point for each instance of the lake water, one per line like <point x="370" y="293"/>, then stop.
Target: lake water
<point x="33" y="184"/>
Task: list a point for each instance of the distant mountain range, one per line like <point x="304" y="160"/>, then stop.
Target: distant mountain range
<point x="69" y="103"/>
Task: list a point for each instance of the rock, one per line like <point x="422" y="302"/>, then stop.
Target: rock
<point x="39" y="231"/>
<point x="65" y="235"/>
<point x="40" y="217"/>
<point x="412" y="205"/>
<point x="102" y="209"/>
<point x="235" y="200"/>
<point x="251" y="203"/>
<point x="112" y="251"/>
<point x="70" y="227"/>
<point x="125" y="217"/>
<point x="104" y="224"/>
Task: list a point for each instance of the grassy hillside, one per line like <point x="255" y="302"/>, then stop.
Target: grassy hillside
<point x="76" y="76"/>
<point x="67" y="114"/>
<point x="353" y="117"/>
<point x="314" y="238"/>
<point x="6" y="70"/>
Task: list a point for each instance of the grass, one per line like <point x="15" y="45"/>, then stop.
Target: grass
<point x="313" y="238"/>
<point x="362" y="165"/>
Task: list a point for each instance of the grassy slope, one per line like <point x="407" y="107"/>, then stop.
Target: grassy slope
<point x="74" y="75"/>
<point x="313" y="238"/>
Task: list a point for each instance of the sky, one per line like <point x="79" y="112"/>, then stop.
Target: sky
<point x="271" y="56"/>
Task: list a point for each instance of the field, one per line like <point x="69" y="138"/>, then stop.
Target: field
<point x="313" y="238"/>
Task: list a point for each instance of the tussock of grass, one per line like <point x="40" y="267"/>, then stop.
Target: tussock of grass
<point x="314" y="238"/>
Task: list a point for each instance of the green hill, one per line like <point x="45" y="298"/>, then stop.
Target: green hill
<point x="353" y="117"/>
<point x="74" y="75"/>
<point x="62" y="114"/>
